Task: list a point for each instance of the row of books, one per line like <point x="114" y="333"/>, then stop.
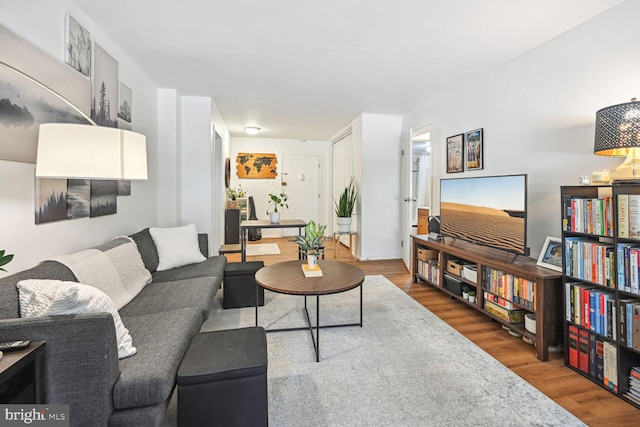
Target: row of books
<point x="429" y="270"/>
<point x="592" y="216"/>
<point x="629" y="216"/>
<point x="634" y="386"/>
<point x="628" y="267"/>
<point x="595" y="356"/>
<point x="589" y="260"/>
<point x="592" y="308"/>
<point x="513" y="288"/>
<point x="629" y="325"/>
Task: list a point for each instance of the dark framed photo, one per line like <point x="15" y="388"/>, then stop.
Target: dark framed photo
<point x="473" y="147"/>
<point x="551" y="254"/>
<point x="455" y="154"/>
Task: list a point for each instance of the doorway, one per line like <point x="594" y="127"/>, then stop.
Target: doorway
<point x="301" y="183"/>
<point x="416" y="183"/>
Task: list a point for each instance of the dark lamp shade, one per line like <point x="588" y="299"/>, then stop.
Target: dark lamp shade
<point x="617" y="129"/>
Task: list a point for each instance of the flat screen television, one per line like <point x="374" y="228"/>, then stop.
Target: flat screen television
<point x="488" y="210"/>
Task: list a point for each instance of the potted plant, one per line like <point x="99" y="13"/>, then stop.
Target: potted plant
<point x="4" y="259"/>
<point x="232" y="195"/>
<point x="311" y="244"/>
<point x="465" y="292"/>
<point x="276" y="200"/>
<point x="345" y="205"/>
<point x="472" y="297"/>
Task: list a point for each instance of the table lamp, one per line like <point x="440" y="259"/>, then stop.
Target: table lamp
<point x="618" y="134"/>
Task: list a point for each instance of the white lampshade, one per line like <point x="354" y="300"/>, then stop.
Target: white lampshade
<point x="92" y="152"/>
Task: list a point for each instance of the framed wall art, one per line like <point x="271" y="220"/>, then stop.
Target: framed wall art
<point x="256" y="165"/>
<point x="35" y="89"/>
<point x="78" y="45"/>
<point x="473" y="148"/>
<point x="104" y="101"/>
<point x="455" y="154"/>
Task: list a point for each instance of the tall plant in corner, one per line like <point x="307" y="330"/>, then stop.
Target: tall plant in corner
<point x="4" y="259"/>
<point x="345" y="205"/>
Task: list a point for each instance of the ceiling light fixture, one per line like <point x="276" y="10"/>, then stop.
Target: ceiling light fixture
<point x="251" y="130"/>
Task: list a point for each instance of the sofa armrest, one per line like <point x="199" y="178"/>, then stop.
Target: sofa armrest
<point x="203" y="242"/>
<point x="80" y="361"/>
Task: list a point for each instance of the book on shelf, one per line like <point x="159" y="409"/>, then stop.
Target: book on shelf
<point x="636" y="327"/>
<point x="583" y="350"/>
<point x="589" y="260"/>
<point x="512" y="288"/>
<point x="592" y="354"/>
<point x="311" y="272"/>
<point x="591" y="307"/>
<point x="623" y="216"/>
<point x="600" y="361"/>
<point x="611" y="366"/>
<point x="588" y="215"/>
<point x="634" y="216"/>
<point x="573" y="346"/>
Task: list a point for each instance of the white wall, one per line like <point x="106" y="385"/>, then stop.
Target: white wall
<point x="260" y="188"/>
<point x="42" y="23"/>
<point x="191" y="185"/>
<point x="196" y="168"/>
<point x="538" y="112"/>
<point x="378" y="167"/>
<point x="168" y="157"/>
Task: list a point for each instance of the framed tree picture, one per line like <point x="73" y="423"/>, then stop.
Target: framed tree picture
<point x="473" y="149"/>
<point x="455" y="154"/>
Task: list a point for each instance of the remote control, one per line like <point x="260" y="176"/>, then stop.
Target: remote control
<point x="14" y="345"/>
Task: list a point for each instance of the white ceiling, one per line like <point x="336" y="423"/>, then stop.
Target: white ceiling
<point x="304" y="69"/>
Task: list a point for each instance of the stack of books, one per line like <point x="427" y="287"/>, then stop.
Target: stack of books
<point x="311" y="272"/>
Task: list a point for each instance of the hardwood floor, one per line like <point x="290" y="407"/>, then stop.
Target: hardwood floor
<point x="586" y="400"/>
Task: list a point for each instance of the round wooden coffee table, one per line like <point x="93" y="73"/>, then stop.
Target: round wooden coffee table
<point x="288" y="278"/>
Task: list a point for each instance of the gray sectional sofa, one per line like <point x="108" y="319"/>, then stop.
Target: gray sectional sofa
<point x="82" y="368"/>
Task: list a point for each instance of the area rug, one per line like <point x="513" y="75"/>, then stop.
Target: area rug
<point x="263" y="249"/>
<point x="404" y="367"/>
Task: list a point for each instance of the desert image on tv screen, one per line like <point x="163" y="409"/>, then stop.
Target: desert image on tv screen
<point x="487" y="210"/>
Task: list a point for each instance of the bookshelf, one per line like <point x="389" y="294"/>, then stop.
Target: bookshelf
<point x="601" y="248"/>
<point x="507" y="287"/>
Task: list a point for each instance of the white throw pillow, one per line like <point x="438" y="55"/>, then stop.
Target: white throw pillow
<point x="176" y="246"/>
<point x="54" y="297"/>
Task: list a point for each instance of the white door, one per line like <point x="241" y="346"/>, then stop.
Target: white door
<point x="416" y="183"/>
<point x="301" y="173"/>
<point x="406" y="207"/>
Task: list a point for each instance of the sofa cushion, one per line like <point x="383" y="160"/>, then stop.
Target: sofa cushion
<point x="198" y="293"/>
<point x="147" y="249"/>
<point x="176" y="246"/>
<point x="40" y="297"/>
<point x="9" y="307"/>
<point x="114" y="267"/>
<point x="212" y="267"/>
<point x="148" y="377"/>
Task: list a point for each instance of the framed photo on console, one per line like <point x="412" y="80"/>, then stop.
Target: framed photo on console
<point x="455" y="154"/>
<point x="551" y="254"/>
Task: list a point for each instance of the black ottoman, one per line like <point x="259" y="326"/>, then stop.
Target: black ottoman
<point x="222" y="380"/>
<point x="240" y="285"/>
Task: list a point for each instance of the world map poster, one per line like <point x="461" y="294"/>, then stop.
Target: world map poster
<point x="256" y="165"/>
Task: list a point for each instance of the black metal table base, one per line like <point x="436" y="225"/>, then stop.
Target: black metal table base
<point x="315" y="339"/>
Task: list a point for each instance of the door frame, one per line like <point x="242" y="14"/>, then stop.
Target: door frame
<point x="408" y="192"/>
